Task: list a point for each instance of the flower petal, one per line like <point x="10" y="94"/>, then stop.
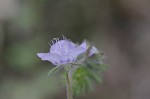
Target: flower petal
<point x="75" y="52"/>
<point x="62" y="47"/>
<point x="83" y="45"/>
<point x="94" y="50"/>
<point x="53" y="58"/>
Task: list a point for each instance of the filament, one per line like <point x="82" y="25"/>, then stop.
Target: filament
<point x="64" y="37"/>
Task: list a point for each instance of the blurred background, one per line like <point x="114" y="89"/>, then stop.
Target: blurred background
<point x="120" y="28"/>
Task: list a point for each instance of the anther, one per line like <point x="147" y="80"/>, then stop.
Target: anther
<point x="56" y="39"/>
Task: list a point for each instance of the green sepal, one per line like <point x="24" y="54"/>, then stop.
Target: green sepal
<point x="88" y="73"/>
<point x="83" y="79"/>
<point x="54" y="70"/>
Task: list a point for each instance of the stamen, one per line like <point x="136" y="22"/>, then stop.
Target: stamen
<point x="49" y="43"/>
<point x="64" y="37"/>
<point x="65" y="47"/>
<point x="56" y="39"/>
<point x="52" y="42"/>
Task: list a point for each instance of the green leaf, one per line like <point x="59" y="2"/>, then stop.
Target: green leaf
<point x="87" y="74"/>
<point x="53" y="70"/>
<point x="79" y="65"/>
<point x="83" y="80"/>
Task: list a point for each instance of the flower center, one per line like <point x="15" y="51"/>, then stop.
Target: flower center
<point x="60" y="47"/>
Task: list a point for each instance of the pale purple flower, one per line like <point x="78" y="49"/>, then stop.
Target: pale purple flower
<point x="65" y="51"/>
<point x="62" y="52"/>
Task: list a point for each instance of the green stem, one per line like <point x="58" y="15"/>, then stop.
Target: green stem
<point x="69" y="83"/>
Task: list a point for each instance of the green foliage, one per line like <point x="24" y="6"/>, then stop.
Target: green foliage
<point x="55" y="69"/>
<point x="81" y="81"/>
<point x="84" y="77"/>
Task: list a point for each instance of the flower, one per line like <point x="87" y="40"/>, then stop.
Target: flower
<point x="62" y="52"/>
<point x="65" y="51"/>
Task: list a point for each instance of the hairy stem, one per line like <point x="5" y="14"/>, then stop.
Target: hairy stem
<point x="69" y="83"/>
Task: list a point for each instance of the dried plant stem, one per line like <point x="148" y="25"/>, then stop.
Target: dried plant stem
<point x="69" y="83"/>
